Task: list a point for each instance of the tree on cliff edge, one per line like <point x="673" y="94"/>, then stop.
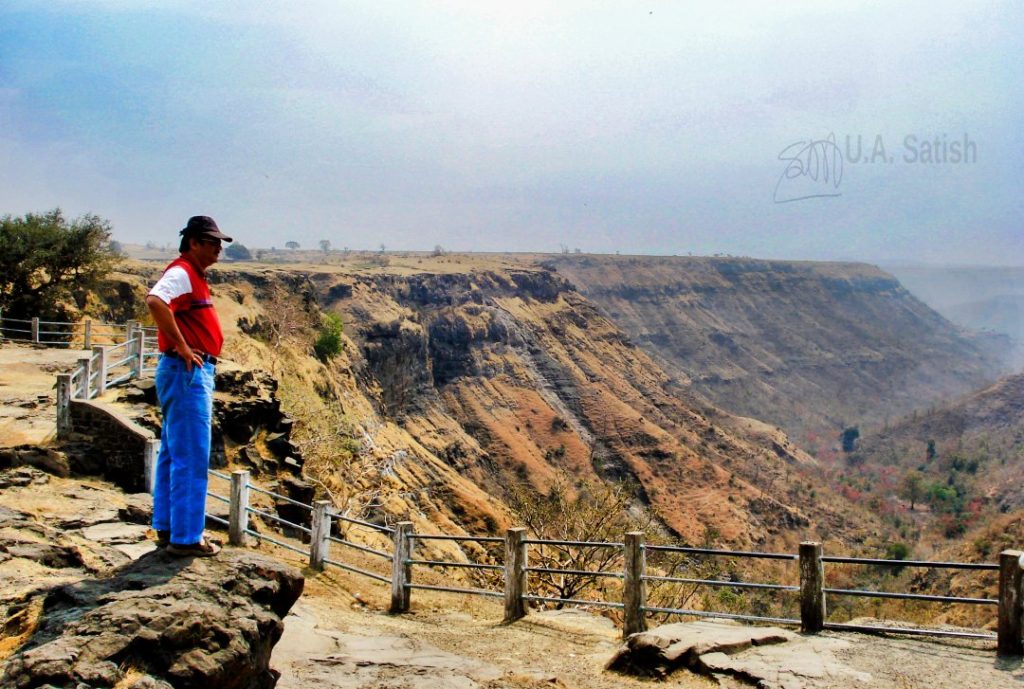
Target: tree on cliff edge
<point x="592" y="512"/>
<point x="48" y="262"/>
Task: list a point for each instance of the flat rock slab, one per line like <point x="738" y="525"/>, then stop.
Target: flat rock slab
<point x="809" y="661"/>
<point x="766" y="657"/>
<point x="115" y="533"/>
<point x="308" y="655"/>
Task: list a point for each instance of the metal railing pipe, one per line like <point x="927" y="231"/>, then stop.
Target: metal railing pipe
<point x="464" y="565"/>
<point x="912" y="596"/>
<point x="721" y="553"/>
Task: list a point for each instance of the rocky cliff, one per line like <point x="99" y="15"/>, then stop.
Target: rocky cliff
<point x="811" y="347"/>
<point x="512" y="376"/>
<point x="462" y="379"/>
<point x="88" y="602"/>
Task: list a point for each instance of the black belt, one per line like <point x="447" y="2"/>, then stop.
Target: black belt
<point x="207" y="358"/>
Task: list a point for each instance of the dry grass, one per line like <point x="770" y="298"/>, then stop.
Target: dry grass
<point x="20" y="626"/>
<point x="130" y="677"/>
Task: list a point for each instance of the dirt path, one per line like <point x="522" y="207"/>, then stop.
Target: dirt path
<point x="339" y="636"/>
<point x="27" y="379"/>
<point x="332" y="639"/>
<point x="338" y="647"/>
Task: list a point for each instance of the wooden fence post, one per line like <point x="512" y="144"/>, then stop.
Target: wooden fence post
<point x="516" y="554"/>
<point x="238" y="508"/>
<point x="812" y="588"/>
<point x="401" y="570"/>
<point x="35" y="329"/>
<point x="634" y="592"/>
<point x="149" y="454"/>
<point x="1011" y="607"/>
<point x="319" y="534"/>
<point x="140" y="352"/>
<point x="87" y="335"/>
<point x="63" y="404"/>
<point x="85" y="385"/>
<point x="100" y="354"/>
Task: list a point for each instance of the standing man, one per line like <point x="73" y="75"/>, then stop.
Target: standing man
<point x="190" y="340"/>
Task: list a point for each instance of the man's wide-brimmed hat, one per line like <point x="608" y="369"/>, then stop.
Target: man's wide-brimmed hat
<point x="203" y="226"/>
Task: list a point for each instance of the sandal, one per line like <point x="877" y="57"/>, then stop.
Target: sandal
<point x="163" y="538"/>
<point x="203" y="548"/>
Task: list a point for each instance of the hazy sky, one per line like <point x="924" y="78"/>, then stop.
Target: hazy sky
<point x="639" y="127"/>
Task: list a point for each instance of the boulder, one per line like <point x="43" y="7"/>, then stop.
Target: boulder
<point x="143" y="390"/>
<point x="240" y="427"/>
<point x="250" y="456"/>
<point x="138" y="508"/>
<point x="765" y="657"/>
<point x="300" y="491"/>
<point x="282" y="446"/>
<point x="161" y="621"/>
<point x="247" y="403"/>
<point x="660" y="651"/>
<point x="49" y="460"/>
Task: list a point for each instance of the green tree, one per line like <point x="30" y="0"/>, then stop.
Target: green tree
<point x="849" y="438"/>
<point x="325" y="246"/>
<point x="238" y="252"/>
<point x="48" y="263"/>
<point x="328" y="343"/>
<point x="945" y="498"/>
<point x="913" y="488"/>
<point x="292" y="245"/>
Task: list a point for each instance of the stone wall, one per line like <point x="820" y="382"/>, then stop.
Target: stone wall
<point x="118" y="448"/>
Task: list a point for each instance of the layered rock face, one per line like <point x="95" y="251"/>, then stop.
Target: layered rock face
<point x="458" y="383"/>
<point x="810" y="347"/>
<point x="512" y="376"/>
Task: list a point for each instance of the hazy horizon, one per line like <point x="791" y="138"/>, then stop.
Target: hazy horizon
<point x="649" y="129"/>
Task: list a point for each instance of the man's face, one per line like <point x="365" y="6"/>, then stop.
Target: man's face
<point x="206" y="251"/>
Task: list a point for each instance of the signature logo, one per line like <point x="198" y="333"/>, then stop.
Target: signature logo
<point x="814" y="169"/>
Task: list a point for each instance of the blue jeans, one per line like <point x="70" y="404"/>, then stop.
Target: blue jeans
<point x="179" y="491"/>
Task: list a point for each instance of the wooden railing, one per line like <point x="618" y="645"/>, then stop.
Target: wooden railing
<point x="634" y="574"/>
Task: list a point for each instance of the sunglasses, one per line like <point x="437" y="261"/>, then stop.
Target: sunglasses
<point x="215" y="242"/>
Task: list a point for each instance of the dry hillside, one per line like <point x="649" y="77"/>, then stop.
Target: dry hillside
<point x="812" y="347"/>
<point x="459" y="382"/>
<point x="961" y="464"/>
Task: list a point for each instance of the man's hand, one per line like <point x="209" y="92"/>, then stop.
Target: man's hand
<point x="164" y="320"/>
<point x="189" y="356"/>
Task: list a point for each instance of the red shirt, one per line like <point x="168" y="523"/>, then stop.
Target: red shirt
<point x="183" y="288"/>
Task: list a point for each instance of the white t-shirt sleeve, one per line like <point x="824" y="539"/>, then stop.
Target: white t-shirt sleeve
<point x="172" y="284"/>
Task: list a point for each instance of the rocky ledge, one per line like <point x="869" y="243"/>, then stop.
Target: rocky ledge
<point x="84" y="603"/>
<point x="763" y="657"/>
